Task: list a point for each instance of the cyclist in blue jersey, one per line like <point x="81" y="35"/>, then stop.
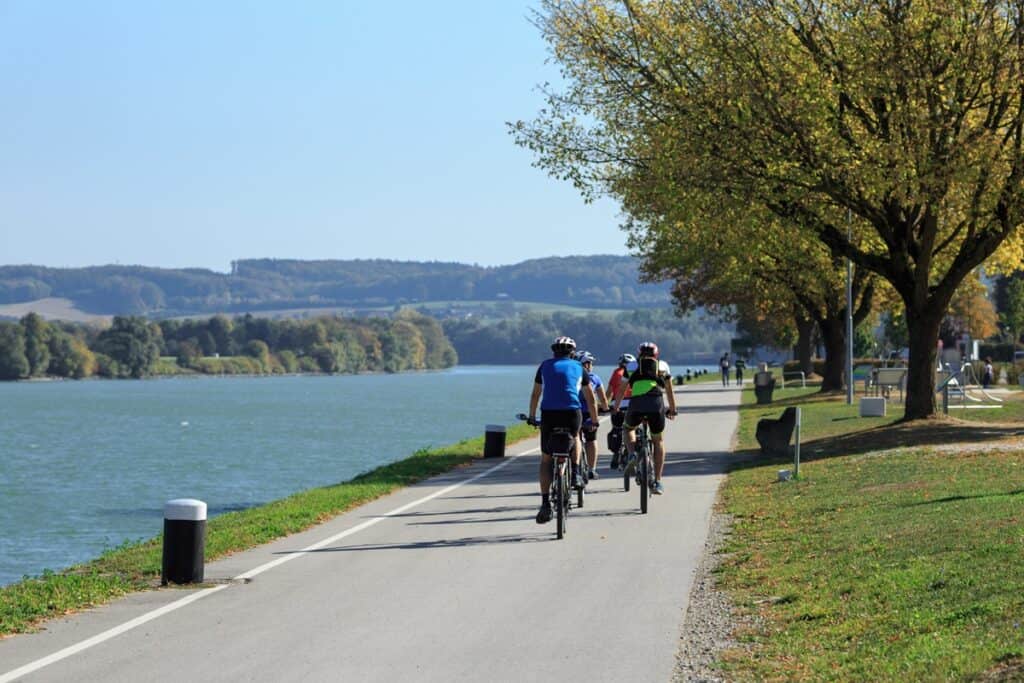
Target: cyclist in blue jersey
<point x="589" y="433"/>
<point x="557" y="387"/>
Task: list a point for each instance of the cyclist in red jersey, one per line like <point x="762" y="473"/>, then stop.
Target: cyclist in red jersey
<point x="627" y="364"/>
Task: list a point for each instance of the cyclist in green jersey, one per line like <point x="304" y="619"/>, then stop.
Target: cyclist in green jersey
<point x="651" y="383"/>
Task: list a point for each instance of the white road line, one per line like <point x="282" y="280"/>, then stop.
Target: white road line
<point x="106" y="635"/>
<point x="166" y="609"/>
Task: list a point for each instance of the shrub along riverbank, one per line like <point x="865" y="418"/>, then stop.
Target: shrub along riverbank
<point x="136" y="566"/>
<point x="896" y="556"/>
<point x="136" y="347"/>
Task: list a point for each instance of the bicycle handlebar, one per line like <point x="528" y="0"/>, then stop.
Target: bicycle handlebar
<point x="528" y="420"/>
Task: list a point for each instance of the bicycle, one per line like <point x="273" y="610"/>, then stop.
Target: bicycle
<point x="561" y="443"/>
<point x="642" y="464"/>
<point x="584" y="471"/>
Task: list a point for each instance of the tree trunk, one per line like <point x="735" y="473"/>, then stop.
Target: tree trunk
<point x="833" y="334"/>
<point x="923" y="342"/>
<point x="804" y="342"/>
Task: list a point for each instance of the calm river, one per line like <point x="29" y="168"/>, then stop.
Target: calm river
<point x="88" y="465"/>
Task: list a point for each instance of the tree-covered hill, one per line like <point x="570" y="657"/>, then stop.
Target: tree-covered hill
<point x="524" y="338"/>
<point x="265" y="284"/>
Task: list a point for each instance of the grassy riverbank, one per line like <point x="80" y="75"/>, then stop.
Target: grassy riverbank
<point x="136" y="566"/>
<point x="896" y="556"/>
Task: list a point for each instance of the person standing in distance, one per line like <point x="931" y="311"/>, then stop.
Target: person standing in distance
<point x="723" y="363"/>
<point x="557" y="387"/>
<point x="651" y="382"/>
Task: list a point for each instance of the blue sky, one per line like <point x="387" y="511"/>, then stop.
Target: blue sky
<point x="189" y="133"/>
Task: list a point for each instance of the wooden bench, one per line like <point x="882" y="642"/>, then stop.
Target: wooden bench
<point x="884" y="379"/>
<point x="774" y="434"/>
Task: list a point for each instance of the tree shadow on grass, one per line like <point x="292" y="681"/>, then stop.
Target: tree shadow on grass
<point x="938" y="431"/>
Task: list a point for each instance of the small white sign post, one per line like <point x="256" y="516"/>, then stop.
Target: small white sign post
<point x="796" y="447"/>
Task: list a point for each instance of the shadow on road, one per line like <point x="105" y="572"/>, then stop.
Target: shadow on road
<point x="439" y="543"/>
<point x="605" y="499"/>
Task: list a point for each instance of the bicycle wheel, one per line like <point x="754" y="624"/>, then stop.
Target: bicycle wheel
<point x="624" y="463"/>
<point x="645" y="478"/>
<point x="559" y="495"/>
<point x="583" y="475"/>
<point x="567" y="498"/>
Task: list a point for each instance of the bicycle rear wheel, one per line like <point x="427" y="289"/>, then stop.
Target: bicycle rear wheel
<point x="559" y="495"/>
<point x="645" y="478"/>
<point x="583" y="476"/>
<point x="625" y="470"/>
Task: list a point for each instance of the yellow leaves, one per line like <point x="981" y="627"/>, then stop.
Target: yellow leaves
<point x="1009" y="257"/>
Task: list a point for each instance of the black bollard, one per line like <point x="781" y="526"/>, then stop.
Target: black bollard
<point x="494" y="441"/>
<point x="184" y="541"/>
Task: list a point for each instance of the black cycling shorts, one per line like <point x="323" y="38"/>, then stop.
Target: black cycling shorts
<point x="550" y="420"/>
<point x="588" y="435"/>
<point x="650" y="406"/>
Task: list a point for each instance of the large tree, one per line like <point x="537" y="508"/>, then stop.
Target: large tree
<point x="890" y="130"/>
<point x="37" y="338"/>
<point x="13" y="363"/>
<point x="730" y="255"/>
<point x="133" y="342"/>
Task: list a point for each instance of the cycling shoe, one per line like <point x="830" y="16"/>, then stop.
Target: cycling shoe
<point x="544" y="514"/>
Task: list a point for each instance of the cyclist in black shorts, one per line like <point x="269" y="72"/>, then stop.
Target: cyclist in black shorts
<point x="557" y="387"/>
<point x="589" y="432"/>
<point x="650" y="382"/>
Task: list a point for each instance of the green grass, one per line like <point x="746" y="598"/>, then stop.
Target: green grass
<point x="877" y="565"/>
<point x="136" y="566"/>
<point x="167" y="366"/>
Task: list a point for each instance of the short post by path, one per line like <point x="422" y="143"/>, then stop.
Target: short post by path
<point x="184" y="550"/>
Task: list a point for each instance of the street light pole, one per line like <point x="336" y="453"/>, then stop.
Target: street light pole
<point x="849" y="317"/>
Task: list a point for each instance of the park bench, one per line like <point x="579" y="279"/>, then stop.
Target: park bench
<point x="885" y="379"/>
<point x="863" y="373"/>
<point x="795" y="373"/>
<point x="774" y="434"/>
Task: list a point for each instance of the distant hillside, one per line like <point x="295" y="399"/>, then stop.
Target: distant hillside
<point x="273" y="284"/>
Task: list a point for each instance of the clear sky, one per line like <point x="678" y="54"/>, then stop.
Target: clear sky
<point x="192" y="133"/>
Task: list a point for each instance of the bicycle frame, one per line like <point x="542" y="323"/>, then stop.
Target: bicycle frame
<point x="560" y="494"/>
<point x="562" y="444"/>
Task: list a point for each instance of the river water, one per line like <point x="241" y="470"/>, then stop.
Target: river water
<point x="86" y="466"/>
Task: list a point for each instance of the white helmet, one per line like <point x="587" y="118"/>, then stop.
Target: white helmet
<point x="563" y="345"/>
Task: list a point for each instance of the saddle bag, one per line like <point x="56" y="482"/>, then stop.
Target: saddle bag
<point x="614" y="439"/>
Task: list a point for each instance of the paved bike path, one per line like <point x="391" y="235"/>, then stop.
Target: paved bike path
<point x="447" y="580"/>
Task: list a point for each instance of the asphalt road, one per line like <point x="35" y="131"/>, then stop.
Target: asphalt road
<point x="448" y="580"/>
